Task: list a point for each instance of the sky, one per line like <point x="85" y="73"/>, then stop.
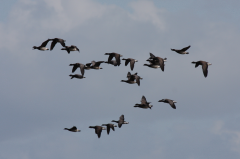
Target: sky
<point x="39" y="100"/>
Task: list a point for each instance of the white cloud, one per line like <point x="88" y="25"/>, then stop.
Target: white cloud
<point x="230" y="136"/>
<point x="146" y="11"/>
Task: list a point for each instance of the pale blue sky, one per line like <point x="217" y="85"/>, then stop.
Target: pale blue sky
<point x="38" y="99"/>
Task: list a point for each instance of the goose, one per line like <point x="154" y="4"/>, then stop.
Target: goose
<point x="112" y="62"/>
<point x="132" y="62"/>
<point x="109" y="126"/>
<point x="73" y="129"/>
<point x="96" y="65"/>
<point x="169" y="101"/>
<point x="70" y="48"/>
<point x="76" y="65"/>
<point x="116" y="55"/>
<point x="156" y="62"/>
<point x="98" y="130"/>
<point x="182" y="51"/>
<point x="132" y="78"/>
<point x="144" y="104"/>
<point x="42" y="47"/>
<point x="76" y="76"/>
<point x="204" y="66"/>
<point x="120" y="121"/>
<point x="55" y="41"/>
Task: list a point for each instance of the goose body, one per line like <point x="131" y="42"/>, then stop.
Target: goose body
<point x="109" y="126"/>
<point x="77" y="76"/>
<point x="182" y="51"/>
<point x="76" y="65"/>
<point x="132" y="62"/>
<point x="132" y="78"/>
<point x="42" y="47"/>
<point x="120" y="121"/>
<point x="70" y="48"/>
<point x="204" y="66"/>
<point x="73" y="129"/>
<point x="112" y="62"/>
<point x="96" y="65"/>
<point x="156" y="62"/>
<point x="116" y="55"/>
<point x="98" y="130"/>
<point x="169" y="101"/>
<point x="144" y="104"/>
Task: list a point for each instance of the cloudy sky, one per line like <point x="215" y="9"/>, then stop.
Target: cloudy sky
<point x="38" y="99"/>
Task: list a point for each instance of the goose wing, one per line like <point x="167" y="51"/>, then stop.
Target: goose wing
<point x="82" y="66"/>
<point x="127" y="61"/>
<point x="61" y="41"/>
<point x="117" y="56"/>
<point x="143" y="100"/>
<point x="185" y="49"/>
<point x="205" y="68"/>
<point x="45" y="43"/>
<point x="132" y="62"/>
<point x="75" y="66"/>
<point x="53" y="44"/>
<point x="171" y="103"/>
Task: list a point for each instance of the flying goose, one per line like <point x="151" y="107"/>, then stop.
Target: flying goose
<point x="98" y="130"/>
<point x="182" y="51"/>
<point x="112" y="62"/>
<point x="116" y="55"/>
<point x="132" y="78"/>
<point x="55" y="41"/>
<point x="76" y="65"/>
<point x="42" y="47"/>
<point x="76" y="76"/>
<point x="156" y="62"/>
<point x="204" y="66"/>
<point x="120" y="121"/>
<point x="70" y="48"/>
<point x="132" y="62"/>
<point x="169" y="101"/>
<point x="144" y="104"/>
<point x="73" y="129"/>
<point x="109" y="126"/>
<point x="96" y="65"/>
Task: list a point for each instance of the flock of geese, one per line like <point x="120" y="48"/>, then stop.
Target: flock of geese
<point x="154" y="62"/>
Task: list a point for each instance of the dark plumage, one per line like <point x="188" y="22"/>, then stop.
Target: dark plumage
<point x="144" y="104"/>
<point x="55" y="41"/>
<point x="76" y="76"/>
<point x="120" y="121"/>
<point x="70" y="48"/>
<point x="156" y="62"/>
<point x="182" y="51"/>
<point x="132" y="78"/>
<point x="73" y="129"/>
<point x="204" y="66"/>
<point x="76" y="65"/>
<point x="132" y="62"/>
<point x="43" y="46"/>
<point x="169" y="101"/>
<point x="96" y="65"/>
<point x="112" y="62"/>
<point x="98" y="130"/>
<point x="116" y="55"/>
<point x="109" y="126"/>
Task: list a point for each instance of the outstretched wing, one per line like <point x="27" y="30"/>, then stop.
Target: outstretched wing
<point x="132" y="64"/>
<point x="45" y="43"/>
<point x="74" y="68"/>
<point x="185" y="49"/>
<point x="53" y="44"/>
<point x="143" y="100"/>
